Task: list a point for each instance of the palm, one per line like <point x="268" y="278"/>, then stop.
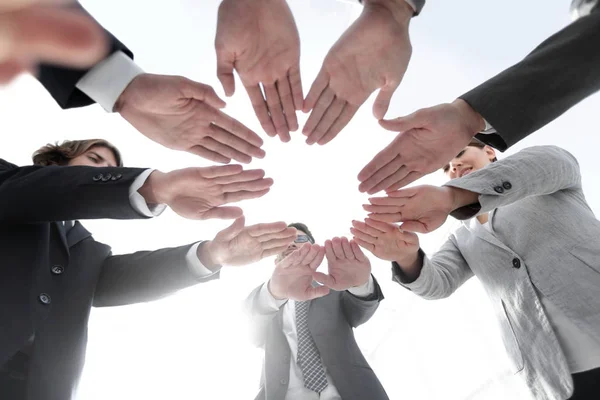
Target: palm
<point x="243" y="249"/>
<point x="347" y="274"/>
<point x="296" y="283"/>
<point x="389" y="244"/>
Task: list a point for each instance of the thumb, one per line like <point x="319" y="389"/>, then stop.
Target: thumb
<point x="232" y="230"/>
<point x="225" y="64"/>
<point x="403" y="124"/>
<point x="382" y="101"/>
<point x="414" y="226"/>
<point x="202" y="92"/>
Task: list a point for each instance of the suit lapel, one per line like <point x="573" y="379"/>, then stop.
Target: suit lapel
<point x="77" y="234"/>
<point x="480" y="231"/>
<point x="62" y="234"/>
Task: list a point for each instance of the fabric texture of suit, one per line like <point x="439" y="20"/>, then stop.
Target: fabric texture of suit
<point x="60" y="81"/>
<point x="73" y="270"/>
<point x="331" y="320"/>
<point x="558" y="74"/>
<point x="543" y="242"/>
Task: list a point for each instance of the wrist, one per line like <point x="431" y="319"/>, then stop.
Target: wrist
<point x="472" y="119"/>
<point x="400" y="10"/>
<point x="461" y="197"/>
<point x="206" y="255"/>
<point x="152" y="190"/>
<point x="411" y="265"/>
<point x="273" y="293"/>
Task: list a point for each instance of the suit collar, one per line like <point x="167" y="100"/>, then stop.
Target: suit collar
<point x="74" y="236"/>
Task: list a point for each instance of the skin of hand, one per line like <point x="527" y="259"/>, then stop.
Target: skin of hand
<point x="372" y="54"/>
<point x="239" y="245"/>
<point x="259" y="40"/>
<point x="293" y="275"/>
<point x="347" y="265"/>
<point x="200" y="193"/>
<point x="185" y="115"/>
<point x="427" y="140"/>
<point x="421" y="209"/>
<point x="33" y="31"/>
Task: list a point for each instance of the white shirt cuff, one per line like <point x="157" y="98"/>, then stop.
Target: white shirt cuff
<point x="105" y="82"/>
<point x="266" y="301"/>
<point x="138" y="202"/>
<point x="488" y="129"/>
<point x="364" y="290"/>
<point x="195" y="265"/>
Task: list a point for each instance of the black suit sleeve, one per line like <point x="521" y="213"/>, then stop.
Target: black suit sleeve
<point x="37" y="194"/>
<point x="60" y="81"/>
<point x="558" y="74"/>
<point x="359" y="310"/>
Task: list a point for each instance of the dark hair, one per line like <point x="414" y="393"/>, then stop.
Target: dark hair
<point x="61" y="154"/>
<point x="302" y="227"/>
<point x="473" y="143"/>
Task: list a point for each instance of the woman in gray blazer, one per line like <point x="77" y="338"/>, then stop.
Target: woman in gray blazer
<point x="530" y="237"/>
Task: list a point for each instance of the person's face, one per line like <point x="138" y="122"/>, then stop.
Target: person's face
<point x="97" y="156"/>
<point x="301" y="238"/>
<point x="470" y="159"/>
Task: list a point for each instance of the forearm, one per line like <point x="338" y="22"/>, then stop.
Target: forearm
<point x="261" y="307"/>
<point x="359" y="310"/>
<point x="409" y="266"/>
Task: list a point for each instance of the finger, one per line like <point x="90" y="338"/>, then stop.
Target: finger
<point x="287" y="101"/>
<point x="329" y="251"/>
<point x="10" y="5"/>
<point x="234" y="197"/>
<point x="318" y="86"/>
<point x="312" y="253"/>
<point x="316" y="292"/>
<point x="382" y="209"/>
<point x="222" y="213"/>
<point x="406" y="123"/>
<point x="232" y="230"/>
<point x="219" y="171"/>
<point x="314" y="264"/>
<point x="390" y="180"/>
<point x="407" y="180"/>
<point x="296" y="86"/>
<point x="290" y="260"/>
<point x="369" y="230"/>
<point x="331" y="115"/>
<point x="389" y="200"/>
<point x="382" y="226"/>
<point x="277" y="243"/>
<point x="336" y="244"/>
<point x="347" y="249"/>
<point x="284" y="234"/>
<point x="382" y="101"/>
<point x="52" y="34"/>
<point x="240" y="147"/>
<point x="258" y="230"/>
<point x="276" y="111"/>
<point x="272" y="251"/>
<point x="241" y="176"/>
<point x="402" y="196"/>
<point x="383" y="158"/>
<point x="381" y="174"/>
<point x="385" y="217"/>
<point x="339" y="124"/>
<point x="260" y="109"/>
<point x="240" y="130"/>
<point x="365" y="245"/>
<point x="224" y="150"/>
<point x="225" y="65"/>
<point x="11" y="69"/>
<point x="325" y="100"/>
<point x="358" y="254"/>
<point x="363" y="236"/>
<point x="209" y="154"/>
<point x="326" y="280"/>
<point x="415" y="226"/>
<point x="200" y="92"/>
<point x="251" y="186"/>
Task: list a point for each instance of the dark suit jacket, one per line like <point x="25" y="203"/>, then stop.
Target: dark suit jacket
<point x="331" y="320"/>
<point x="558" y="74"/>
<point x="74" y="271"/>
<point x="60" y="81"/>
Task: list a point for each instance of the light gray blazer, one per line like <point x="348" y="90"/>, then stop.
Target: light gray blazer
<point x="331" y="320"/>
<point x="545" y="240"/>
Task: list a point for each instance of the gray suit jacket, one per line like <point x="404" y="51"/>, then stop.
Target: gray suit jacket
<point x="330" y="321"/>
<point x="544" y="240"/>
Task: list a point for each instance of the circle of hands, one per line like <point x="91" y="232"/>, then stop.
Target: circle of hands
<point x="259" y="40"/>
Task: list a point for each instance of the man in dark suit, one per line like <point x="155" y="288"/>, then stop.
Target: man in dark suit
<point x="52" y="271"/>
<point x="556" y="75"/>
<point x="307" y="331"/>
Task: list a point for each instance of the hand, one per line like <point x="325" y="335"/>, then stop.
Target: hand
<point x="293" y="276"/>
<point x="43" y="30"/>
<point x="421" y="208"/>
<point x="241" y="245"/>
<point x="386" y="241"/>
<point x="372" y="54"/>
<point x="184" y="115"/>
<point x="347" y="264"/>
<point x="260" y="40"/>
<point x="428" y="139"/>
<point x="199" y="193"/>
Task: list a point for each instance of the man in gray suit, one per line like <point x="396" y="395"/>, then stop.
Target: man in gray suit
<point x="306" y="330"/>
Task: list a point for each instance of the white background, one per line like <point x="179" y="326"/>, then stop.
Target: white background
<point x="193" y="345"/>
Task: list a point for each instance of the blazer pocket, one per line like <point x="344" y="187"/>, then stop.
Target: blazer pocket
<point x="510" y="340"/>
<point x="587" y="255"/>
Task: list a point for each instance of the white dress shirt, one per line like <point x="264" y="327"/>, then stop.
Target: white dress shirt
<point x="296" y="389"/>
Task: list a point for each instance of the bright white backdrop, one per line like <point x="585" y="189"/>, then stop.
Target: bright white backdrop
<point x="193" y="345"/>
